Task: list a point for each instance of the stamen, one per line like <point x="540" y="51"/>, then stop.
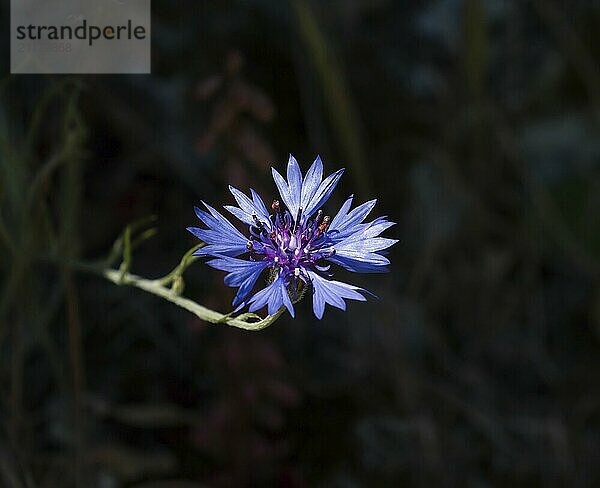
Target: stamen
<point x="250" y="245"/>
<point x="318" y="217"/>
<point x="324" y="226"/>
<point x="297" y="219"/>
<point x="297" y="272"/>
<point x="276" y="207"/>
<point x="258" y="223"/>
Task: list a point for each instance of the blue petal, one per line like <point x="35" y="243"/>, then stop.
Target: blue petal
<point x="240" y="214"/>
<point x="294" y="176"/>
<point x="284" y="191"/>
<point x="221" y="220"/>
<point x="345" y="225"/>
<point x="331" y="292"/>
<point x="367" y="231"/>
<point x="360" y="250"/>
<point x="311" y="182"/>
<point x="349" y="253"/>
<point x="241" y="273"/>
<point x="309" y="194"/>
<point x="371" y="263"/>
<point x="323" y="193"/>
<point x="342" y="214"/>
<point x="243" y="201"/>
<point x="248" y="207"/>
<point x="273" y="296"/>
<point x="259" y="204"/>
<point x="221" y="237"/>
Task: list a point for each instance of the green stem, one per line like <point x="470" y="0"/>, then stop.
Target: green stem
<point x="247" y="321"/>
<point x="187" y="259"/>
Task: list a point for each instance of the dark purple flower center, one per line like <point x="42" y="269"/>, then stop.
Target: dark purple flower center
<point x="291" y="244"/>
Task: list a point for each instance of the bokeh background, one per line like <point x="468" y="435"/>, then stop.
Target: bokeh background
<point x="476" y="125"/>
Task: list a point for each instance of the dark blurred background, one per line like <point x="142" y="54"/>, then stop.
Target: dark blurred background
<point x="476" y="125"/>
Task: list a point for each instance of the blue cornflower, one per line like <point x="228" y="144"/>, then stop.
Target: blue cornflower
<point x="296" y="244"/>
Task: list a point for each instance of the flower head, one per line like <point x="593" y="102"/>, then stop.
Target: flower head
<point x="295" y="241"/>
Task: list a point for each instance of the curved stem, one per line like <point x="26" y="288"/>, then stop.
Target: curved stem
<point x="187" y="259"/>
<point x="247" y="321"/>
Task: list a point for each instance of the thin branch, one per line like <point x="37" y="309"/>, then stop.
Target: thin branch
<point x="156" y="288"/>
<point x="169" y="286"/>
<point x="246" y="321"/>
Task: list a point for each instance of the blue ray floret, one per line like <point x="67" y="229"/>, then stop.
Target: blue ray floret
<point x="296" y="244"/>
